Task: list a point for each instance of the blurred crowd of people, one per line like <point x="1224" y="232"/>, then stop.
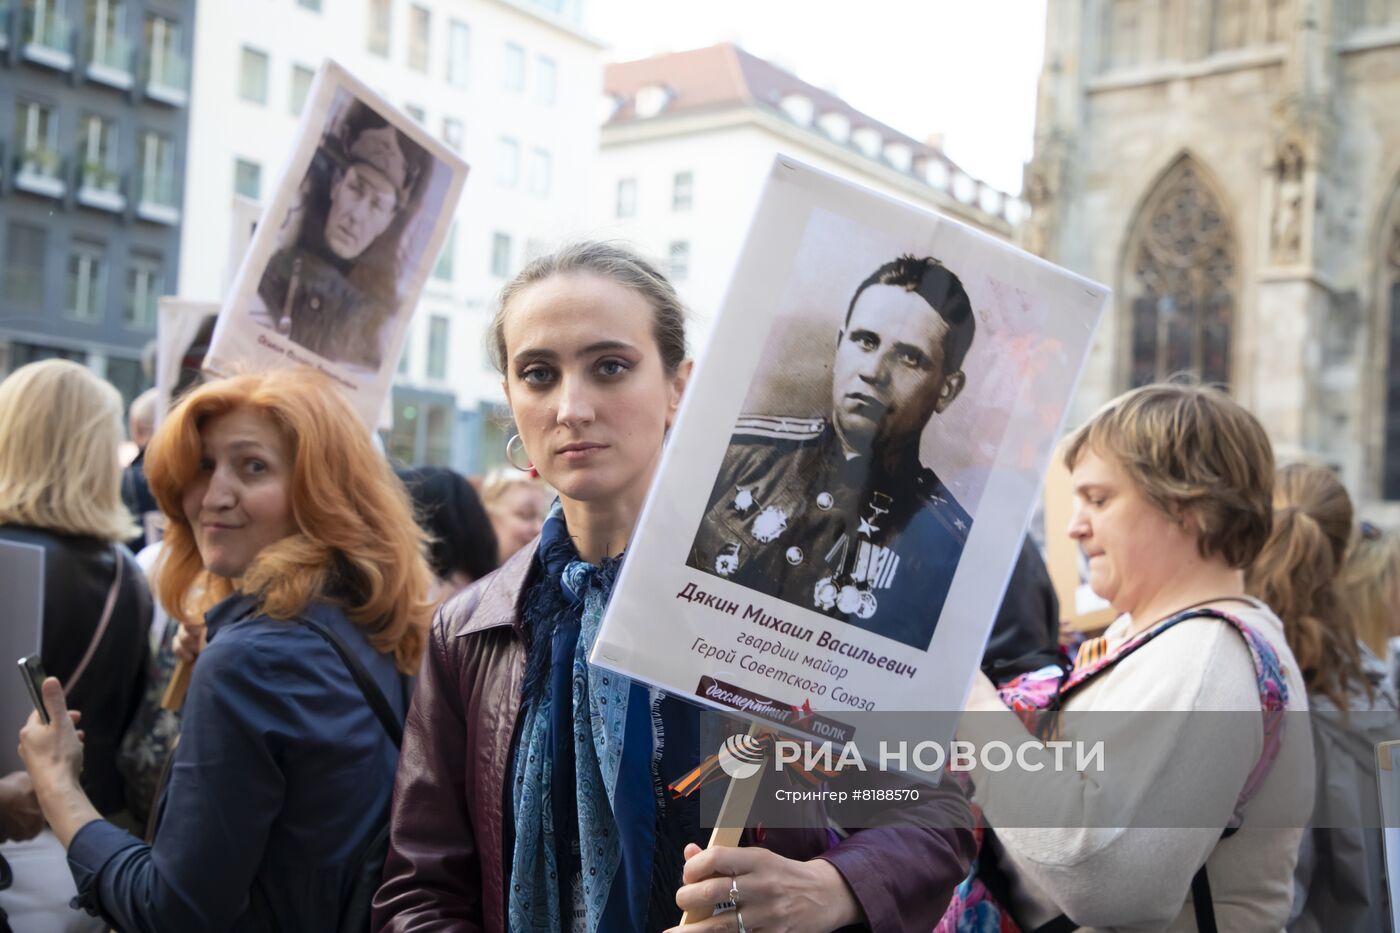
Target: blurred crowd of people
<point x="388" y="720"/>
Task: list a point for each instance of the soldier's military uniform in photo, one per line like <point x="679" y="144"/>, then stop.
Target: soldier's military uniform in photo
<point x="310" y="288"/>
<point x="838" y="514"/>
<point x="791" y="517"/>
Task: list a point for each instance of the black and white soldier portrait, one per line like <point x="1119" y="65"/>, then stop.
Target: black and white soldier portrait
<point x="335" y="281"/>
<point x="836" y="512"/>
<point x="329" y="275"/>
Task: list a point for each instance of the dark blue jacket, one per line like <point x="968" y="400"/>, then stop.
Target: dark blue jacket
<point x="281" y="776"/>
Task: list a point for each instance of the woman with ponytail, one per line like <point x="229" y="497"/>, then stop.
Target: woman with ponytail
<point x="1340" y="874"/>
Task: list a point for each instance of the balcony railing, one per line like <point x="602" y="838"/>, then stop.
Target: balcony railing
<point x="40" y="171"/>
<point x="48" y="38"/>
<point x="158" y="202"/>
<point x="109" y="61"/>
<point x="100" y="186"/>
<point x="168" y="77"/>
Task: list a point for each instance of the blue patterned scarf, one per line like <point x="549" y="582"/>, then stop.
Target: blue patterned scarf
<point x="584" y="788"/>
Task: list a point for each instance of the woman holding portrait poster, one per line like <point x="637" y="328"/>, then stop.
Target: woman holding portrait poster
<point x="530" y="792"/>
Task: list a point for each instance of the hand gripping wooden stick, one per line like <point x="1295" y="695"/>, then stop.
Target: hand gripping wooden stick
<point x="729" y="825"/>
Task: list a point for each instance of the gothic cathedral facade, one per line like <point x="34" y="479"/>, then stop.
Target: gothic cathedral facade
<point x="1232" y="169"/>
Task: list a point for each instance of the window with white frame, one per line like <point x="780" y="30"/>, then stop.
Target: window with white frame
<point x="87" y="281"/>
<point x="252" y="76"/>
<point x="143" y="289"/>
<point x="680" y="260"/>
<point x="513" y="78"/>
<point x="157" y="169"/>
<point x="453" y="132"/>
<point x="683" y="191"/>
<point x="36" y="129"/>
<point x="165" y="65"/>
<point x="45" y="24"/>
<point x="106" y="40"/>
<point x="301" y="88"/>
<point x="500" y="255"/>
<point x="541" y="173"/>
<point x="437" y="346"/>
<point x="380" y="27"/>
<point x="626" y="197"/>
<point x="459" y="40"/>
<point x="508" y="162"/>
<point x="546" y="80"/>
<point x="420" y="37"/>
<point x="100" y="154"/>
<point x="247" y="179"/>
<point x="418" y="114"/>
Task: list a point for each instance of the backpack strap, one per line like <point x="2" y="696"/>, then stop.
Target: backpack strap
<point x="373" y="695"/>
<point x="1273" y="703"/>
<point x="107" y="608"/>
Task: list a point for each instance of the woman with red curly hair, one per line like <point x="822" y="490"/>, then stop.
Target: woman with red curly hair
<point x="287" y="535"/>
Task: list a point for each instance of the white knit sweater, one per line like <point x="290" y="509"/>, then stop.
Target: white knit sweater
<point x="1140" y="878"/>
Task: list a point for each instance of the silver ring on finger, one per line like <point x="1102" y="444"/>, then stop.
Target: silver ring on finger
<point x="739" y="916"/>
<point x="734" y="890"/>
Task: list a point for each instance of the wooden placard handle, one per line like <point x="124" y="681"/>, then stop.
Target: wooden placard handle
<point x="729" y="825"/>
<point x="174" y="696"/>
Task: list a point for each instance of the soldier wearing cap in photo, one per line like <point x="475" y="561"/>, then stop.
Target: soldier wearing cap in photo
<point x="837" y="514"/>
<point x="332" y="290"/>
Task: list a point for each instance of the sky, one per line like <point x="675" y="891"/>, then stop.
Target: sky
<point x="964" y="68"/>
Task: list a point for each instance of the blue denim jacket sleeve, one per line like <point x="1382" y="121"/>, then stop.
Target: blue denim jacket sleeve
<point x="225" y="790"/>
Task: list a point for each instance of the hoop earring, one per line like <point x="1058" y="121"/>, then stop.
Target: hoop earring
<point x="511" y="444"/>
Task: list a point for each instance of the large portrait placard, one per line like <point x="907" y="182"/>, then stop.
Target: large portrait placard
<point x="847" y="486"/>
<point x="336" y="263"/>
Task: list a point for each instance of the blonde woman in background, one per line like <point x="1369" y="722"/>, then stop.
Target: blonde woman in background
<point x="1370" y="587"/>
<point x="1339" y="883"/>
<point x="60" y="490"/>
<point x="517" y="504"/>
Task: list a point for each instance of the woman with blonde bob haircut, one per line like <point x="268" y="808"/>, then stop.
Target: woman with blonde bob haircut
<point x="60" y="429"/>
<point x="1173" y="500"/>
<point x="290" y="537"/>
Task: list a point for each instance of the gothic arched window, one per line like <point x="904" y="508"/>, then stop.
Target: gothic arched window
<point x="1180" y="279"/>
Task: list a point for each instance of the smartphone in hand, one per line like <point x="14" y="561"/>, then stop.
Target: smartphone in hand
<point x="32" y="670"/>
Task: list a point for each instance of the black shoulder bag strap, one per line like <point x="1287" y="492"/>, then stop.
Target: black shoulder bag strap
<point x="377" y="702"/>
<point x="373" y="695"/>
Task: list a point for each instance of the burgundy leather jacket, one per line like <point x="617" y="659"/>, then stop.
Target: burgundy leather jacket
<point x="447" y="864"/>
